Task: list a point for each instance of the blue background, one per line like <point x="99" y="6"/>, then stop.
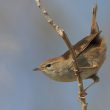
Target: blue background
<point x="26" y="39"/>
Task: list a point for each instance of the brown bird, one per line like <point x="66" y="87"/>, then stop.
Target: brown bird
<point x="90" y="55"/>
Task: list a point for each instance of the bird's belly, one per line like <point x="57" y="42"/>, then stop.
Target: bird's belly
<point x="70" y="76"/>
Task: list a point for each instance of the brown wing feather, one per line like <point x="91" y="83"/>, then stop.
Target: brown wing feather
<point x="82" y="44"/>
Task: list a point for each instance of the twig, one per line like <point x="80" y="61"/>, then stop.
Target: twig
<point x="75" y="68"/>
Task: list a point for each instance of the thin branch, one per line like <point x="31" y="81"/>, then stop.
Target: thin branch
<point x="75" y="68"/>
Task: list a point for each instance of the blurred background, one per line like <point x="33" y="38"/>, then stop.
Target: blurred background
<point x="26" y="39"/>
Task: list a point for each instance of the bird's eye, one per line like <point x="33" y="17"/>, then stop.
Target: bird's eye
<point x="48" y="65"/>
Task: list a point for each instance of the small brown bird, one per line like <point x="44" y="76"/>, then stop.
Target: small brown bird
<point x="89" y="61"/>
<point x="90" y="55"/>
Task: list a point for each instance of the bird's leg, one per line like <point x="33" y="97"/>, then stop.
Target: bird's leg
<point x="95" y="79"/>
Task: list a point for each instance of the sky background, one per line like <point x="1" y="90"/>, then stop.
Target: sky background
<point x="26" y="40"/>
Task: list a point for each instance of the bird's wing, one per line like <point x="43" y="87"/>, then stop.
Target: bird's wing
<point x="82" y="44"/>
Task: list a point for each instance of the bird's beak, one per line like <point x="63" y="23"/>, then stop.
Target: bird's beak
<point x="36" y="69"/>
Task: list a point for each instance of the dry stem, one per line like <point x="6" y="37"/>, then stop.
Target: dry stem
<point x="75" y="68"/>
